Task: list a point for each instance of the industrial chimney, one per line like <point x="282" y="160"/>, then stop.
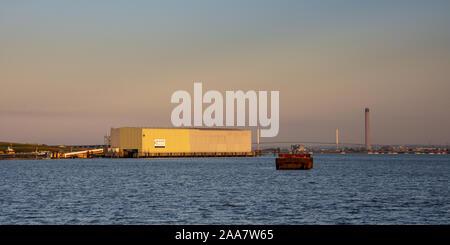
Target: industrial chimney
<point x="337" y="139"/>
<point x="367" y="129"/>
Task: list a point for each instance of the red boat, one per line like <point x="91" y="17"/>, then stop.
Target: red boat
<point x="294" y="162"/>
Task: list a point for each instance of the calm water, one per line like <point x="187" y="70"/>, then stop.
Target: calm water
<point x="341" y="189"/>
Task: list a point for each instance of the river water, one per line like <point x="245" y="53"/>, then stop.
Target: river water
<point x="340" y="189"/>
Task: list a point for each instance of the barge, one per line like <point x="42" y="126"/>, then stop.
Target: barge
<point x="294" y="162"/>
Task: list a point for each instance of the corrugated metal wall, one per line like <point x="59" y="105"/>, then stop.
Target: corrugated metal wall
<point x="220" y="140"/>
<point x="126" y="138"/>
<point x="175" y="140"/>
<point x="158" y="140"/>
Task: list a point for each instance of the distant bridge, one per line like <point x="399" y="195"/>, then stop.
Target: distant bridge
<point x="307" y="143"/>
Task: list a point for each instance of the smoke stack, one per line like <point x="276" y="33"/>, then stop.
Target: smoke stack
<point x="337" y="139"/>
<point x="367" y="117"/>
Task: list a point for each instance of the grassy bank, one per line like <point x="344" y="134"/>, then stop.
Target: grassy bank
<point x="20" y="147"/>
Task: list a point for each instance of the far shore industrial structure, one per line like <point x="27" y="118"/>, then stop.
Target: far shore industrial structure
<point x="137" y="142"/>
<point x="151" y="142"/>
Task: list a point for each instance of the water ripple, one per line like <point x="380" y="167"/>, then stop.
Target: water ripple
<point x="340" y="189"/>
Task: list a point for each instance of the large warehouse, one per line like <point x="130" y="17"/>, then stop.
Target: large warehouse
<point x="135" y="141"/>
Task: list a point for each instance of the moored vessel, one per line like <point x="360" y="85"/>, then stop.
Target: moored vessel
<point x="294" y="162"/>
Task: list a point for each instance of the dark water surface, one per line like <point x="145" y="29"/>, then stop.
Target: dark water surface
<point x="340" y="189"/>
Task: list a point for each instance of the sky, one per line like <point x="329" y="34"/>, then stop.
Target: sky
<point x="71" y="70"/>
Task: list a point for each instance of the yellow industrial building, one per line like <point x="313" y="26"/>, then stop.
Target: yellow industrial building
<point x="136" y="141"/>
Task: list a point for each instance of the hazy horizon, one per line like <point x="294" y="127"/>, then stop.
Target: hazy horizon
<point x="69" y="71"/>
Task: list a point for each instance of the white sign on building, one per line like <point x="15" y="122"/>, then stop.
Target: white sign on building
<point x="160" y="143"/>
